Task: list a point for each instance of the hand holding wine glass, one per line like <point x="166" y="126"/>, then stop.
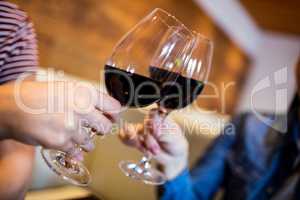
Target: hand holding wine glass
<point x="92" y="112"/>
<point x="163" y="138"/>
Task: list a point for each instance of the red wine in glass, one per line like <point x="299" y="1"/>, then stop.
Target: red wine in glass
<point x="131" y="91"/>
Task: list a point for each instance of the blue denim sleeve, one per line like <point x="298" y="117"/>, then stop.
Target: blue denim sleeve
<point x="179" y="188"/>
<point x="206" y="178"/>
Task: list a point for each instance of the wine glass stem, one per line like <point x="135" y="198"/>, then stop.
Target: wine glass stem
<point x="145" y="161"/>
<point x="69" y="156"/>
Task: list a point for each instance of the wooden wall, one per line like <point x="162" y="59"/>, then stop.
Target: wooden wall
<point x="275" y="15"/>
<point x="78" y="35"/>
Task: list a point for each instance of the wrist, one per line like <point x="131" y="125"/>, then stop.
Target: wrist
<point x="172" y="170"/>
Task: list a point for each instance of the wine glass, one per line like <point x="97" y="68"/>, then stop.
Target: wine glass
<point x="158" y="61"/>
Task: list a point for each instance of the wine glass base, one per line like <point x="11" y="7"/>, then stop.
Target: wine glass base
<point x="138" y="171"/>
<point x="72" y="170"/>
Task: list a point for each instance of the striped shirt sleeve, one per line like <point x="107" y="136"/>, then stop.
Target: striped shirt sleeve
<point x="18" y="45"/>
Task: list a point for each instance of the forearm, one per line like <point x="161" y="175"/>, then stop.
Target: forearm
<point x="16" y="163"/>
<point x="3" y="127"/>
<point x="5" y="107"/>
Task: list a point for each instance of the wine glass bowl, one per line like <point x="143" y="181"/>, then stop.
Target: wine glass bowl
<point x="158" y="61"/>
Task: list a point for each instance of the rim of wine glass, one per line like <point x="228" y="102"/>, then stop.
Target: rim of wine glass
<point x="170" y="16"/>
<point x="176" y="22"/>
<point x="196" y="36"/>
<point x="149" y="16"/>
<point x="192" y="32"/>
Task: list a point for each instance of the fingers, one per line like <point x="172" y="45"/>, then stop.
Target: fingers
<point x="96" y="120"/>
<point x="59" y="140"/>
<point x="67" y="139"/>
<point x="152" y="144"/>
<point x="167" y="143"/>
<point x="167" y="135"/>
<point x="109" y="106"/>
<point x="76" y="154"/>
<point x="83" y="138"/>
<point x="99" y="119"/>
<point x="81" y="135"/>
<point x="132" y="135"/>
<point x="129" y="134"/>
<point x="78" y="134"/>
<point x="160" y="136"/>
<point x="153" y="122"/>
<point x="162" y="157"/>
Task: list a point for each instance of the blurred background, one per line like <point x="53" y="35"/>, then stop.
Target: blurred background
<point x="253" y="40"/>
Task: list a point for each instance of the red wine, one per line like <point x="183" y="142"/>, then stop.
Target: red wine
<point x="180" y="93"/>
<point x="131" y="89"/>
<point x="169" y="89"/>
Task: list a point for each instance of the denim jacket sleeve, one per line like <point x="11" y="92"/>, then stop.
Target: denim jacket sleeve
<point x="206" y="178"/>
